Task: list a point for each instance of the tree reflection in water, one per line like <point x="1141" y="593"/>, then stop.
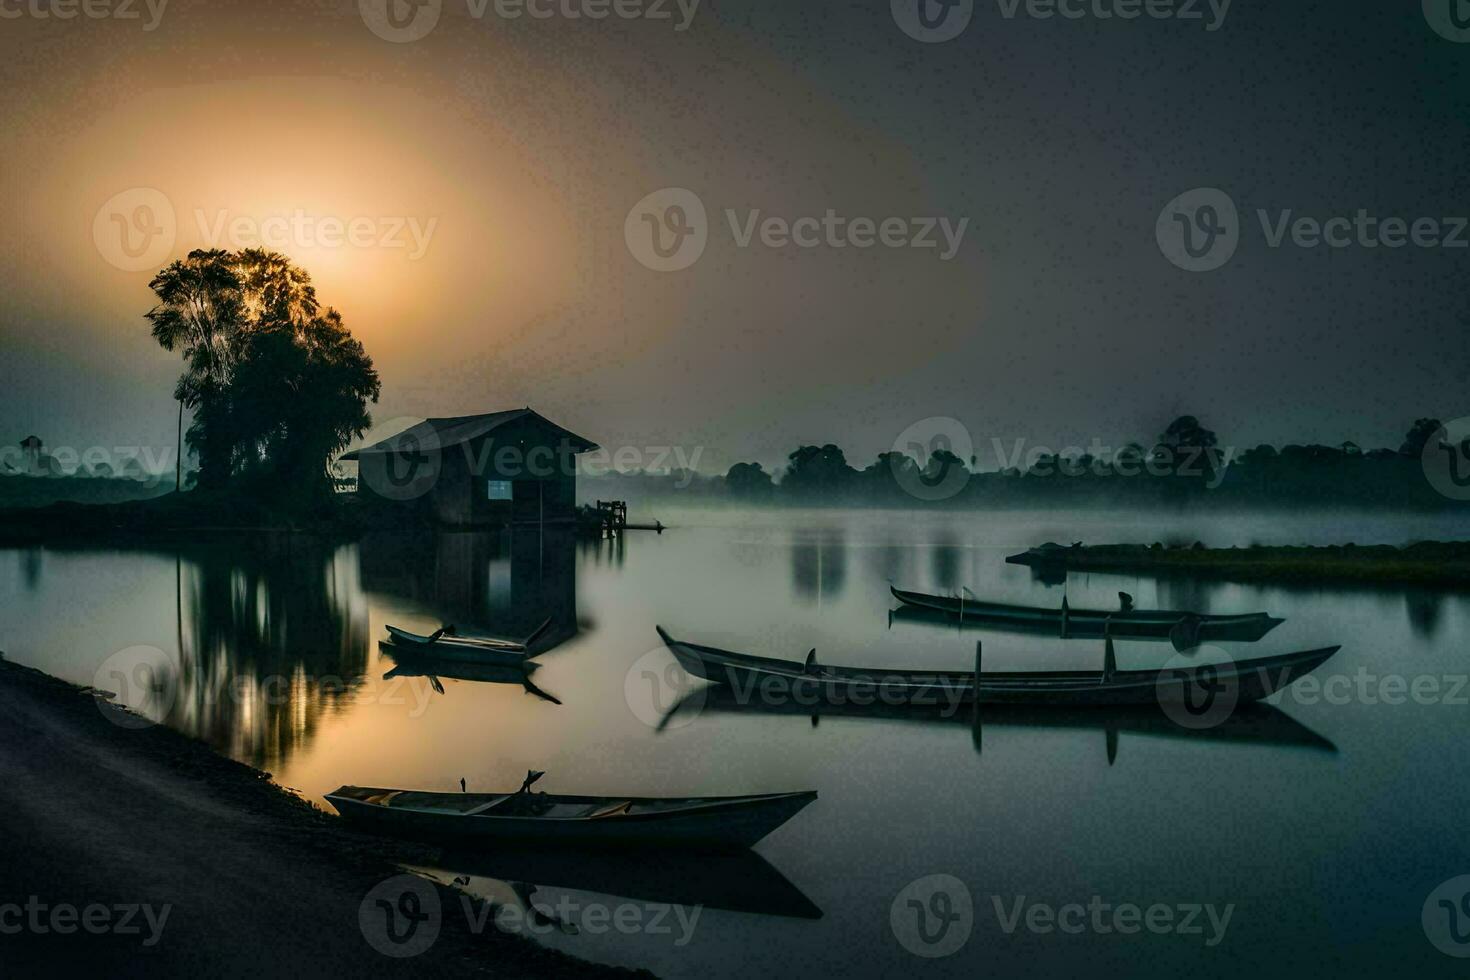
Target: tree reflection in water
<point x="273" y="637"/>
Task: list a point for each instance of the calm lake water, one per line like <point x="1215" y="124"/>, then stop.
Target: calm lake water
<point x="1323" y="829"/>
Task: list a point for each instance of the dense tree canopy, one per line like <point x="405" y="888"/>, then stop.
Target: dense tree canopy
<point x="276" y="385"/>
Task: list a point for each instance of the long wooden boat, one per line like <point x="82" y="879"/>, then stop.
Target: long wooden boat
<point x="768" y="678"/>
<point x="1130" y="624"/>
<point x="447" y="645"/>
<point x="715" y="822"/>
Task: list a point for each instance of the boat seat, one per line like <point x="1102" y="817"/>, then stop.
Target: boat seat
<point x="612" y="810"/>
<point x="477" y="811"/>
<point x="382" y="799"/>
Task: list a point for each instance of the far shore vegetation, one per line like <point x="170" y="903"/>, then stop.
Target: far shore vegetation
<point x="1426" y="563"/>
<point x="276" y="389"/>
<point x="1184" y="467"/>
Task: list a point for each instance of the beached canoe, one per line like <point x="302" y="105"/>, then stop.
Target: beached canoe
<point x="1130" y="624"/>
<point x="769" y="678"/>
<point x="715" y="822"/>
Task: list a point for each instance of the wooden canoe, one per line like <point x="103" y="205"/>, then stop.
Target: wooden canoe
<point x="765" y="677"/>
<point x="469" y="649"/>
<point x="715" y="822"/>
<point x="1132" y="624"/>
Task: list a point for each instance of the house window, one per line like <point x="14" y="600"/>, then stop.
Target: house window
<point x="500" y="490"/>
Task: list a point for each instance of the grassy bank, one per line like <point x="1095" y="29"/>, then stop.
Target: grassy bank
<point x="1442" y="564"/>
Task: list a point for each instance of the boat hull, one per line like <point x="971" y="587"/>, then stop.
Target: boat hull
<point x="779" y="680"/>
<point x="407" y="645"/>
<point x="1139" y="624"/>
<point x="715" y="823"/>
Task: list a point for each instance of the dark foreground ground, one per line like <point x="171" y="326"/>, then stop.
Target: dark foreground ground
<point x="258" y="882"/>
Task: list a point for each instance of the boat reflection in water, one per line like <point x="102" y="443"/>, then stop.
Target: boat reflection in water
<point x="437" y="668"/>
<point x="1251" y="723"/>
<point x="740" y="881"/>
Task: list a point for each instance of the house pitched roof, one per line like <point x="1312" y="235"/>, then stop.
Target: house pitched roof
<point x="442" y="433"/>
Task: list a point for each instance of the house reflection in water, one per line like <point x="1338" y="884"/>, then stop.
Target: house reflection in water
<point x="274" y="637"/>
<point x="501" y="583"/>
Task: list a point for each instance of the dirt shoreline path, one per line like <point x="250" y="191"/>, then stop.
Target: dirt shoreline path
<point x="257" y="882"/>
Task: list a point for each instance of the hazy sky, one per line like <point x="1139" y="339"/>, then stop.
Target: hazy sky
<point x="515" y="149"/>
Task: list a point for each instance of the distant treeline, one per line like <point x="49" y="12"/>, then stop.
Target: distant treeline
<point x="30" y="491"/>
<point x="1185" y="465"/>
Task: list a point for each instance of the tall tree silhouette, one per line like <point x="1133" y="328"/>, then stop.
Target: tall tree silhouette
<point x="277" y="386"/>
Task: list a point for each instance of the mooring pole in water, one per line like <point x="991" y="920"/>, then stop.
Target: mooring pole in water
<point x="975" y="704"/>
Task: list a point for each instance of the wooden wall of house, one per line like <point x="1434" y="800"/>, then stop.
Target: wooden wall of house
<point x="541" y="470"/>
